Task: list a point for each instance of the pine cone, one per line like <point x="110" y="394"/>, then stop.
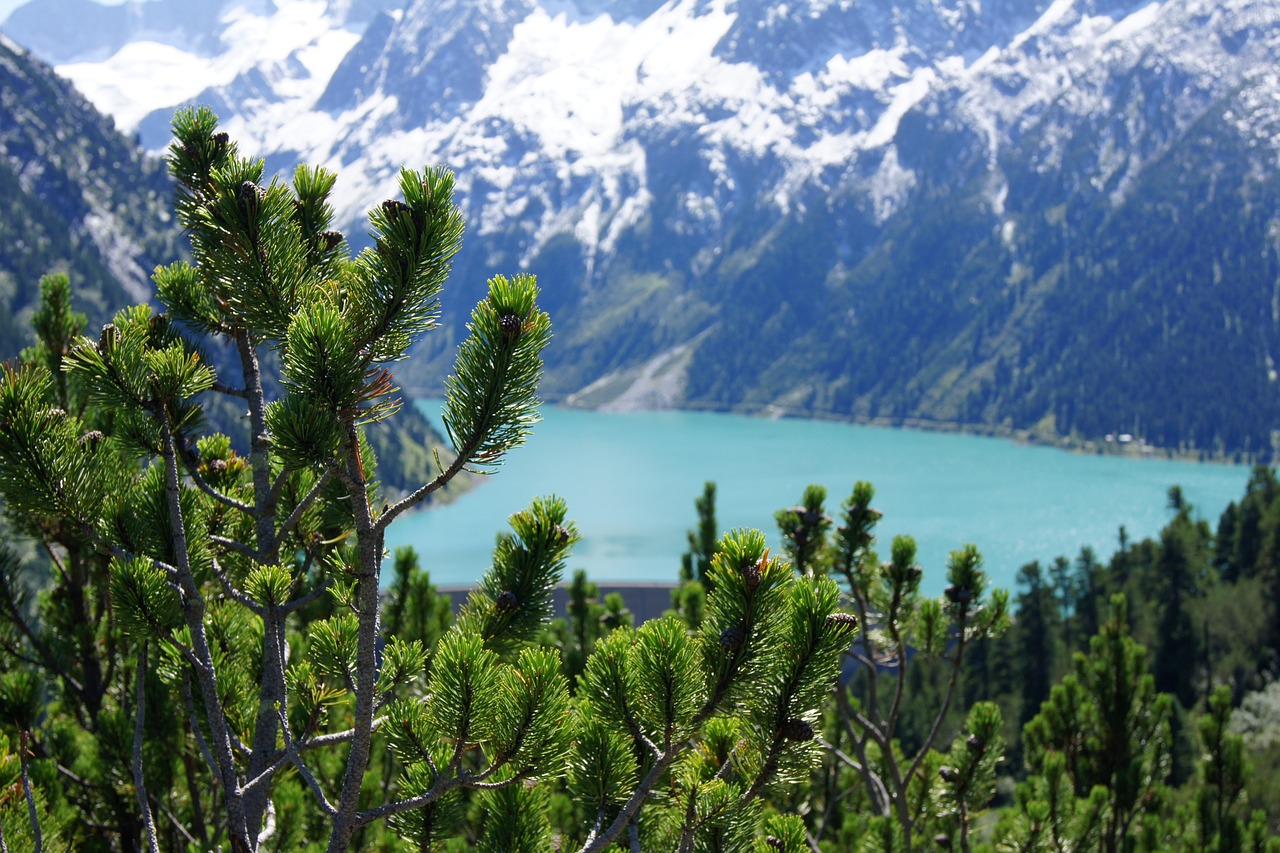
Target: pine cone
<point x="91" y="439"/>
<point x="510" y="326"/>
<point x="562" y="535"/>
<point x="751" y="574"/>
<point x="507" y="601"/>
<point x="218" y="466"/>
<point x="842" y="621"/>
<point x="250" y="198"/>
<point x="949" y="774"/>
<point x="958" y="594"/>
<point x="775" y="842"/>
<point x="108" y="339"/>
<point x="942" y="840"/>
<point x="797" y="729"/>
<point x="731" y="638"/>
<point x="975" y="743"/>
<point x="331" y="240"/>
<point x="393" y="208"/>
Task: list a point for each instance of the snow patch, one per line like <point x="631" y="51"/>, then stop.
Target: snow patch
<point x="148" y="75"/>
<point x="904" y="97"/>
<point x="120" y="253"/>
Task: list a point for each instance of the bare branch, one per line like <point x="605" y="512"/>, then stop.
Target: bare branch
<point x="299" y="603"/>
<point x="57" y="562"/>
<point x="265" y="776"/>
<point x="269" y="829"/>
<point x="186" y="833"/>
<point x="195" y="726"/>
<point x="47" y="658"/>
<point x="946" y="705"/>
<point x="238" y="547"/>
<point x="438" y="790"/>
<point x="229" y="391"/>
<point x="442" y="479"/>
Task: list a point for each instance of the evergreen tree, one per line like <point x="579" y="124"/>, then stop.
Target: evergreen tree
<point x="689" y="599"/>
<point x="233" y="640"/>
<point x="1111" y="729"/>
<point x="906" y="632"/>
<point x="1183" y="554"/>
<point x="1033" y="636"/>
<point x="804" y="529"/>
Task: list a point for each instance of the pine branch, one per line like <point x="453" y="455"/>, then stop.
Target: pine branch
<point x="307" y="500"/>
<point x="202" y="484"/>
<point x="139" y="783"/>
<point x="32" y="814"/>
<point x="369" y="543"/>
<point x="632" y="807"/>
<point x="233" y="593"/>
<point x="205" y="669"/>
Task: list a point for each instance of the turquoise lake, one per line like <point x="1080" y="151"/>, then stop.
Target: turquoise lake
<point x="630" y="480"/>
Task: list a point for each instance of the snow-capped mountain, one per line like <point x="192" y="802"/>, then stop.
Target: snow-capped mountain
<point x="876" y="209"/>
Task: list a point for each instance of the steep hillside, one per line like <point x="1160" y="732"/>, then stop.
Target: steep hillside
<point x="1045" y="216"/>
<point x="76" y="195"/>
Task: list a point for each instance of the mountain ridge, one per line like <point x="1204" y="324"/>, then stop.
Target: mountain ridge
<point x="875" y="211"/>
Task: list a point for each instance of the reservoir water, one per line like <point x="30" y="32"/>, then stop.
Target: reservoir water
<point x="630" y="480"/>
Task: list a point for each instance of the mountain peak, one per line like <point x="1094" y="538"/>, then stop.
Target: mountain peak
<point x="860" y="184"/>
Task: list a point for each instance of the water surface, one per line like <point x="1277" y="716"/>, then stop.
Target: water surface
<point x="630" y="480"/>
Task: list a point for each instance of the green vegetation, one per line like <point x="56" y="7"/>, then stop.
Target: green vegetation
<point x="196" y="652"/>
<point x="209" y="662"/>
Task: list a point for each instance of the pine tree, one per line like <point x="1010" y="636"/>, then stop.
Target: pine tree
<point x="904" y="633"/>
<point x="1107" y="729"/>
<point x="257" y="693"/>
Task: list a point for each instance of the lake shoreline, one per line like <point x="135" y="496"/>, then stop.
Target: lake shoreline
<point x="630" y="480"/>
<point x="1133" y="448"/>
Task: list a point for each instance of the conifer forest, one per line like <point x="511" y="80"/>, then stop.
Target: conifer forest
<point x="204" y="645"/>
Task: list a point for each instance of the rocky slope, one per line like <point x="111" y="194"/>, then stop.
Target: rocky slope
<point x="77" y="196"/>
<point x="1049" y="216"/>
